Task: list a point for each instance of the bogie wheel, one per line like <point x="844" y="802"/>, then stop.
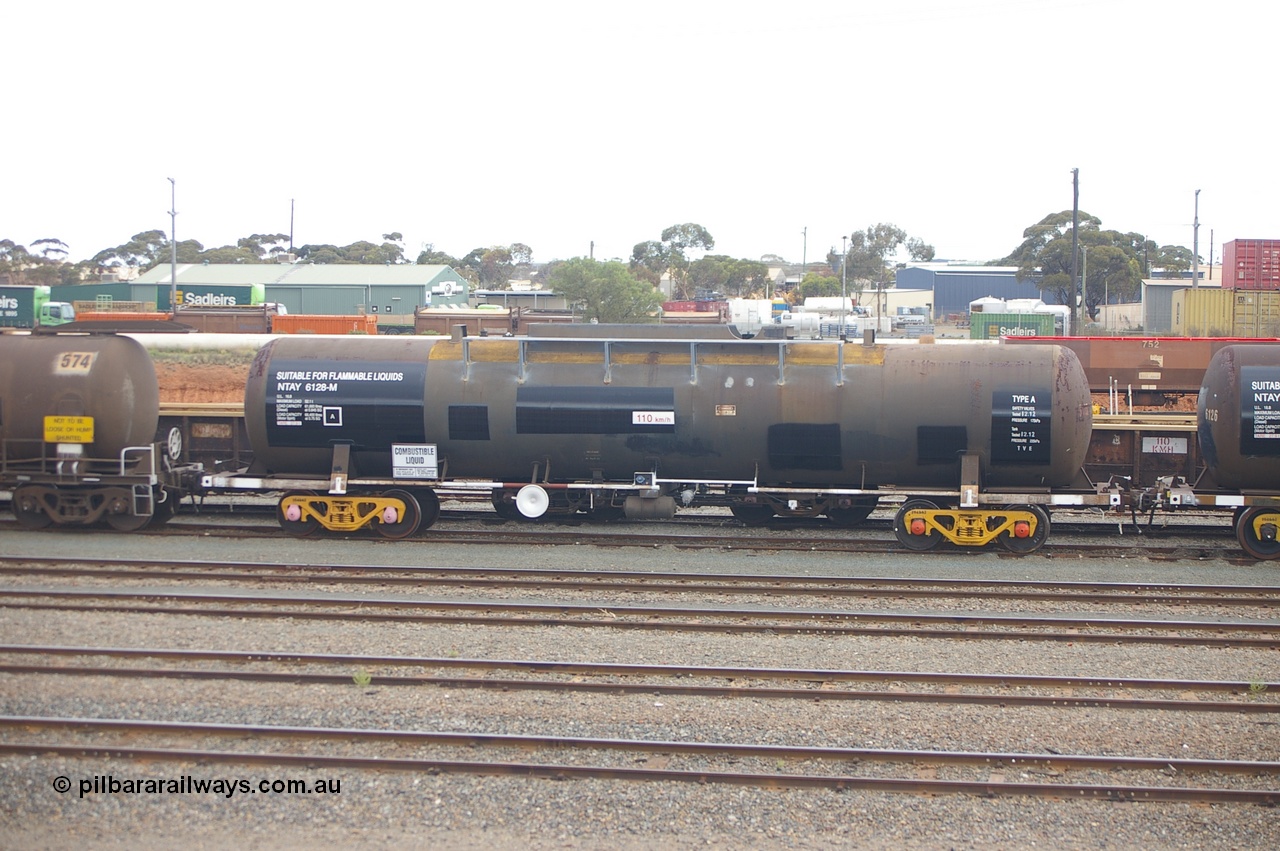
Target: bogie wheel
<point x="291" y="518"/>
<point x="128" y="522"/>
<point x="917" y="536"/>
<point x="27" y="510"/>
<point x="1259" y="540"/>
<point x="119" y="511"/>
<point x="752" y="515"/>
<point x="1017" y="542"/>
<point x="429" y="505"/>
<point x="404" y="523"/>
<point x="854" y="514"/>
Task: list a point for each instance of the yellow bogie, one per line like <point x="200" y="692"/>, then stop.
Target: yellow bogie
<point x="394" y="514"/>
<point x="921" y="525"/>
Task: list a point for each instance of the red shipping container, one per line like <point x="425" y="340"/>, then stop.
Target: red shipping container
<point x="1251" y="264"/>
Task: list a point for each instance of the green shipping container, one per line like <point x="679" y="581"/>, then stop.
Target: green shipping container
<point x="213" y="295"/>
<point x="991" y="326"/>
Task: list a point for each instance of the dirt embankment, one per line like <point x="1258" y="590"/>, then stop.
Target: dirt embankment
<point x="203" y="383"/>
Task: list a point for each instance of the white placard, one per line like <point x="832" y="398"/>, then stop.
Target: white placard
<point x="1164" y="445"/>
<point x="413" y="461"/>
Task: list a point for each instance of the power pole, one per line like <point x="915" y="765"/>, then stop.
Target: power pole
<point x="804" y="254"/>
<point x="1075" y="251"/>
<point x="844" y="278"/>
<point x="173" y="245"/>
<point x="1195" y="246"/>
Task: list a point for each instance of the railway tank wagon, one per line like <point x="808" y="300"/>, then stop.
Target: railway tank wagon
<point x="1238" y="422"/>
<point x="976" y="436"/>
<point x="78" y="417"/>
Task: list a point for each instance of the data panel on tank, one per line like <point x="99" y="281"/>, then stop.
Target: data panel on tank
<point x="1021" y="421"/>
<point x="1259" y="410"/>
<point x="376" y="405"/>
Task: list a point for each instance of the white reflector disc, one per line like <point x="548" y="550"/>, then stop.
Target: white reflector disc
<point x="532" y="501"/>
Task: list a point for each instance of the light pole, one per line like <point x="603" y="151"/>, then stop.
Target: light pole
<point x="1075" y="241"/>
<point x="804" y="254"/>
<point x="844" y="278"/>
<point x="1084" y="288"/>
<point x="1195" y="246"/>
<point x="173" y="246"/>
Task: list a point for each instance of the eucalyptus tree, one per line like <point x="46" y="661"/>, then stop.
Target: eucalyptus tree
<point x="1110" y="262"/>
<point x="604" y="291"/>
<point x="670" y="255"/>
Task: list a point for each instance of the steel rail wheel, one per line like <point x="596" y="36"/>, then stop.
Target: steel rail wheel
<point x="1022" y="539"/>
<point x="27" y="510"/>
<point x="292" y="514"/>
<point x="1258" y="533"/>
<point x="914" y="533"/>
<point x="405" y="522"/>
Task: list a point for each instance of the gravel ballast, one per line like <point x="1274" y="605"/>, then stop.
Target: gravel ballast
<point x="395" y="809"/>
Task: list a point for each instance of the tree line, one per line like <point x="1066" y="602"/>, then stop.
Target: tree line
<point x="1113" y="263"/>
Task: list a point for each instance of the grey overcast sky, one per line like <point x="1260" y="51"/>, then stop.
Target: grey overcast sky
<point x="562" y="124"/>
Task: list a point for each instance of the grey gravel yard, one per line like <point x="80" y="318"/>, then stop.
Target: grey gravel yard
<point x="393" y="809"/>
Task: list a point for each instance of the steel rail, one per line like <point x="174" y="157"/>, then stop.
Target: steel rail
<point x="607" y="618"/>
<point x="1002" y="699"/>
<point x="695" y="541"/>
<point x="902" y="583"/>
<point x="615" y="611"/>
<point x="313" y="762"/>
<point x="629" y="669"/>
<point x="570" y="580"/>
<point x="1053" y="761"/>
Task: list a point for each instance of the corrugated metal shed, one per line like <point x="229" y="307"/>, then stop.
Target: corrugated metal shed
<point x="954" y="286"/>
<point x="330" y="288"/>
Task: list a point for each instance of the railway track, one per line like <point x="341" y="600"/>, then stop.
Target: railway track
<point x="488" y="714"/>
<point x="1261" y="598"/>
<point x="631" y="679"/>
<point x="1173" y="543"/>
<point x="767" y="620"/>
<point x="775" y="766"/>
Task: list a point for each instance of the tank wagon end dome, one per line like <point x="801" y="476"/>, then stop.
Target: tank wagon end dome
<point x="107" y="378"/>
<point x="1238" y="417"/>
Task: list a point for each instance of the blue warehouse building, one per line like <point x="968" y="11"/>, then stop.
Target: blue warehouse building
<point x="955" y="285"/>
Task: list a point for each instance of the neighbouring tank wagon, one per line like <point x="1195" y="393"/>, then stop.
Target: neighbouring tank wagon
<point x="1238" y="424"/>
<point x="1238" y="417"/>
<point x="78" y="423"/>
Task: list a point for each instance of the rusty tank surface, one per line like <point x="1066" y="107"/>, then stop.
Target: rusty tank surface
<point x="781" y="412"/>
<point x="101" y="388"/>
<point x="1238" y="417"/>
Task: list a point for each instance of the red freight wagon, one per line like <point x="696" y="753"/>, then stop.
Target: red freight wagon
<point x="1149" y="367"/>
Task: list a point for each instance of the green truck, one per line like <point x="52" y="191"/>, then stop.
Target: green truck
<point x="27" y="307"/>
